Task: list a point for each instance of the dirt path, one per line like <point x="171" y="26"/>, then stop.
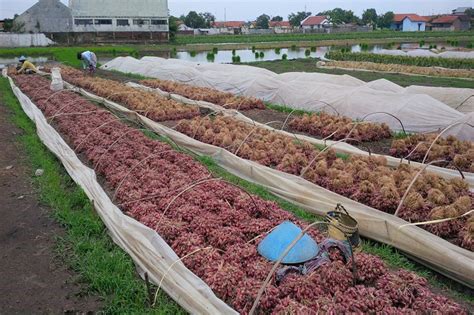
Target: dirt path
<point x="32" y="279"/>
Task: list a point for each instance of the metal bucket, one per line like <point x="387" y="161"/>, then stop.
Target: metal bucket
<point x="343" y="226"/>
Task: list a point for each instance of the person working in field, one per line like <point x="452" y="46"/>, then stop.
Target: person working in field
<point x="89" y="60"/>
<point x="26" y="67"/>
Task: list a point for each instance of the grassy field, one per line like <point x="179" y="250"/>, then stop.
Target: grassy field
<point x="203" y="43"/>
<point x="309" y="65"/>
<point x="68" y="55"/>
<point x="190" y="39"/>
<point x="451" y="63"/>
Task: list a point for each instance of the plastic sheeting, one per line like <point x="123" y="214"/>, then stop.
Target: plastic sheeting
<point x="24" y="40"/>
<point x="427" y="53"/>
<point x="460" y="99"/>
<point x="315" y="92"/>
<point x="340" y="147"/>
<point x="148" y="250"/>
<point x="446" y="258"/>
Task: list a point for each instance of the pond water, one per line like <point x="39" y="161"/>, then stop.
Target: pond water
<point x="247" y="55"/>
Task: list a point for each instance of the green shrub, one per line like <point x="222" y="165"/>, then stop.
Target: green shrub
<point x="236" y="59"/>
<point x="313" y="49"/>
<point x="215" y="50"/>
<point x="293" y="47"/>
<point x="453" y="42"/>
<point x="277" y="51"/>
<point x="253" y="49"/>
<point x="307" y="52"/>
<point x="262" y="54"/>
<point x="345" y="50"/>
<point x="257" y="55"/>
<point x="210" y="56"/>
<point x="284" y="57"/>
<point x="192" y="53"/>
<point x="422" y="43"/>
<point x="233" y="52"/>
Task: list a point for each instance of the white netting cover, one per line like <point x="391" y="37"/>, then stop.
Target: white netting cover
<point x="427" y="53"/>
<point x="342" y="94"/>
<point x="24" y="40"/>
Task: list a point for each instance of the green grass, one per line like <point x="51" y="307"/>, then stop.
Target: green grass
<point x="288" y="110"/>
<point x="402" y="60"/>
<point x="68" y="55"/>
<point x="309" y="65"/>
<point x="102" y="267"/>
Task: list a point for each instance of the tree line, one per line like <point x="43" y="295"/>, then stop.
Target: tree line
<point x="336" y="16"/>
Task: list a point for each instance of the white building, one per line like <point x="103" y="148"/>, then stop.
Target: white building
<point x="317" y="22"/>
<point x="119" y="15"/>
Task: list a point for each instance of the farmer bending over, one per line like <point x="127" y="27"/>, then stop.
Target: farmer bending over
<point x="89" y="60"/>
<point x="26" y="66"/>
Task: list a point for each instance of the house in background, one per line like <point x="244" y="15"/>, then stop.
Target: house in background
<point x="451" y="23"/>
<point x="229" y="27"/>
<point x="409" y="23"/>
<point x="280" y="27"/>
<point x="461" y="11"/>
<point x="312" y="23"/>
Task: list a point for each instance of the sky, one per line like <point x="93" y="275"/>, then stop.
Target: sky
<point x="250" y="9"/>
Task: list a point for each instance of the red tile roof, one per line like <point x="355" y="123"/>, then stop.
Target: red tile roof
<point x="314" y="20"/>
<point x="233" y="24"/>
<point x="445" y="19"/>
<point x="280" y="24"/>
<point x="413" y="17"/>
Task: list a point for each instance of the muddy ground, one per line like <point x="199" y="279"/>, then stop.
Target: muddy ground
<point x="33" y="279"/>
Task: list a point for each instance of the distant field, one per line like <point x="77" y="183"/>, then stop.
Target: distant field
<point x="403" y="60"/>
<point x="68" y="55"/>
<point x="190" y="39"/>
<point x="309" y="65"/>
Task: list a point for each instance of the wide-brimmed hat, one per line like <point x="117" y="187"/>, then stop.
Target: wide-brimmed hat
<point x="22" y="58"/>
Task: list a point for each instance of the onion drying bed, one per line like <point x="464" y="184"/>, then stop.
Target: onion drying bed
<point x="220" y="218"/>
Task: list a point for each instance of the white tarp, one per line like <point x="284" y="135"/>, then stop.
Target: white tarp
<point x="148" y="250"/>
<point x="427" y="53"/>
<point x="12" y="40"/>
<point x="344" y="95"/>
